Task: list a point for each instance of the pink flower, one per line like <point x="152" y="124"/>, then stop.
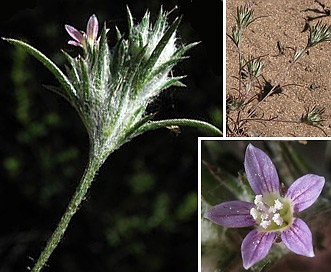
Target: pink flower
<point x="272" y="214"/>
<point x="81" y="38"/>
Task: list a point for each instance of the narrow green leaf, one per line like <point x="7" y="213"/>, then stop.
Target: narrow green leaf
<point x="181" y="51"/>
<point x="160" y="23"/>
<point x="130" y="23"/>
<point x="51" y="66"/>
<point x="132" y="133"/>
<point x="208" y="128"/>
<point x="164" y="67"/>
<point x="118" y="56"/>
<point x="174" y="81"/>
<point x="161" y="45"/>
<point x="72" y="72"/>
<point x="102" y="61"/>
<point x="85" y="79"/>
<point x="135" y="72"/>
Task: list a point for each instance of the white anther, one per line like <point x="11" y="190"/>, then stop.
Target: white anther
<point x="265" y="223"/>
<point x="258" y="199"/>
<point x="254" y="213"/>
<point x="278" y="205"/>
<point x="278" y="219"/>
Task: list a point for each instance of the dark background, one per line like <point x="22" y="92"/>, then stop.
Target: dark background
<point x="141" y="212"/>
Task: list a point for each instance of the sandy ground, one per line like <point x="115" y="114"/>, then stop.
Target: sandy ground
<point x="308" y="83"/>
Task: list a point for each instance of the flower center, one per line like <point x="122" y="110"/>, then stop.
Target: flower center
<point x="272" y="215"/>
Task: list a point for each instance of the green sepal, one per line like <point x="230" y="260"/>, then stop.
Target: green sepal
<point x="181" y="51"/>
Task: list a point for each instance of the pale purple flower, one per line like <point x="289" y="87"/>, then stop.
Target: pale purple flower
<point x="272" y="213"/>
<point x="80" y="38"/>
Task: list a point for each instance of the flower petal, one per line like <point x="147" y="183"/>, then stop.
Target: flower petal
<point x="92" y="28"/>
<point x="74" y="43"/>
<point x="261" y="172"/>
<point x="298" y="238"/>
<point x="232" y="214"/>
<point x="74" y="33"/>
<point x="304" y="191"/>
<point x="256" y="246"/>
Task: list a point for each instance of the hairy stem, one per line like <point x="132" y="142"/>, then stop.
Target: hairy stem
<point x="92" y="167"/>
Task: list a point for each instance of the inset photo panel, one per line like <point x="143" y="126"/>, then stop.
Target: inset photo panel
<point x="264" y="205"/>
<point x="277" y="72"/>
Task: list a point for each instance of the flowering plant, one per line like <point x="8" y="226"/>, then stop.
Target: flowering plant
<point x="110" y="88"/>
<point x="273" y="213"/>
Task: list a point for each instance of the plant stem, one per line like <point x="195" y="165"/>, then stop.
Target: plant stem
<point x="92" y="167"/>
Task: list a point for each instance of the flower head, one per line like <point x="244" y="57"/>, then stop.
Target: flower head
<point x="114" y="85"/>
<point x="82" y="39"/>
<point x="271" y="213"/>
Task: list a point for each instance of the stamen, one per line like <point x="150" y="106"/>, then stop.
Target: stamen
<point x="277" y="219"/>
<point x="258" y="199"/>
<point x="264" y="214"/>
<point x="265" y="224"/>
<point x="254" y="213"/>
<point x="278" y="205"/>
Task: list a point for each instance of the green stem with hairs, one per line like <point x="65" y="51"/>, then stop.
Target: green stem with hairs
<point x="92" y="167"/>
